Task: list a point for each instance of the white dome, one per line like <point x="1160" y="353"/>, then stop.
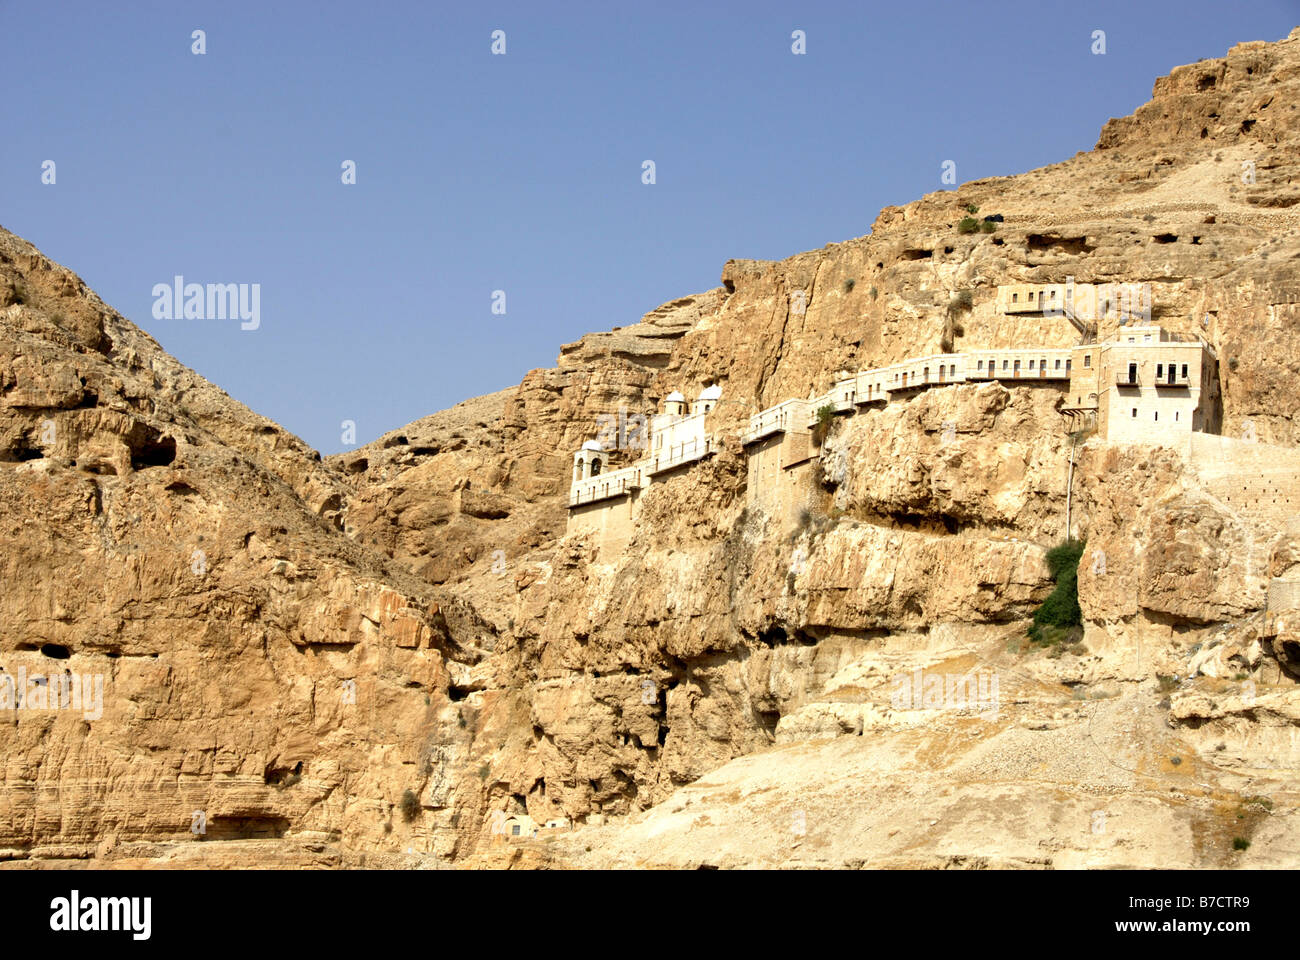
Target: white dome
<point x="593" y="445"/>
<point x="711" y="393"/>
<point x="674" y="397"/>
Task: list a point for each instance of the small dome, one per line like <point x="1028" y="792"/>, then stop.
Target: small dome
<point x="713" y="392"/>
<point x="593" y="445"/>
<point x="674" y="397"/>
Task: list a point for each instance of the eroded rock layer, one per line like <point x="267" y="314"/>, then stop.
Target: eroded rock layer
<point x="378" y="657"/>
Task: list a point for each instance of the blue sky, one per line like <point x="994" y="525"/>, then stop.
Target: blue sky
<point x="521" y="172"/>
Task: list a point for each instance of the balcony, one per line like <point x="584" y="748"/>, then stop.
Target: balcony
<point x="1126" y="378"/>
<point x="779" y="419"/>
<point x="1173" y="378"/>
<point x="604" y="486"/>
<point x="675" y="455"/>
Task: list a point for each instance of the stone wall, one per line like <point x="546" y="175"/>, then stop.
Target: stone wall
<point x="1256" y="480"/>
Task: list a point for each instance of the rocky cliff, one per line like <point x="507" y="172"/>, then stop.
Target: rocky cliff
<point x="371" y="658"/>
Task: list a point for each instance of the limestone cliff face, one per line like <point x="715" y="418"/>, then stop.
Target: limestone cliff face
<point x="260" y="675"/>
<point x="500" y="666"/>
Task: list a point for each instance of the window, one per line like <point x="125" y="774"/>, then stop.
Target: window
<point x="952" y="370"/>
<point x="1157" y="415"/>
<point x="1004" y="364"/>
<point x="1053" y="294"/>
<point x="1031" y="364"/>
<point x="1135" y="413"/>
<point x="1058" y="363"/>
<point x="1184" y="371"/>
<point x="1068" y="361"/>
<point x="514" y="830"/>
<point x="1160" y="370"/>
<point x="1132" y="339"/>
<point x="1175" y="416"/>
<point x="979" y="365"/>
<point x="1147" y="338"/>
<point x="1087" y="360"/>
<point x="1015" y="297"/>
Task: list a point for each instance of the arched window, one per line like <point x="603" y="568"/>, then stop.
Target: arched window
<point x="595" y="467"/>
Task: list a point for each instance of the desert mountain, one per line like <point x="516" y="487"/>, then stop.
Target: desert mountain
<point x="378" y="657"/>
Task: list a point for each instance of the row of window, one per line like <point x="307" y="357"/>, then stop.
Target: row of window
<point x="1015" y="297"/>
<point x="979" y="364"/>
<point x="1155" y="415"/>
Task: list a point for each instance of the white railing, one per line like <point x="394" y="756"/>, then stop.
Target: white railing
<point x="790" y="415"/>
<point x="678" y="453"/>
<point x="605" y="485"/>
<point x="864" y="387"/>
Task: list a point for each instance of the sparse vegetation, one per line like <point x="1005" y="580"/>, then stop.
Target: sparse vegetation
<point x="1240" y="843"/>
<point x="968" y="225"/>
<point x="873" y="292"/>
<point x="988" y="226"/>
<point x="849" y="284"/>
<point x="825" y="418"/>
<point x="1233" y="363"/>
<point x="409" y="805"/>
<point x="1059" y="617"/>
<point x="972" y="208"/>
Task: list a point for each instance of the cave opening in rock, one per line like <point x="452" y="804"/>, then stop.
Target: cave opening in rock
<point x="154" y="452"/>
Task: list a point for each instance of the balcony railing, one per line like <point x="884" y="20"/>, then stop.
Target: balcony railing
<point x="779" y="419"/>
<point x="678" y="453"/>
<point x="604" y="486"/>
<point x="1126" y="378"/>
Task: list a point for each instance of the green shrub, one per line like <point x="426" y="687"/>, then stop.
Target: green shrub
<point x="972" y="209"/>
<point x="1060" y="611"/>
<point x="873" y="292"/>
<point x="988" y="226"/>
<point x="1240" y="843"/>
<point x="849" y="285"/>
<point x="968" y="225"/>
<point x="825" y="418"/>
<point x="410" y="805"/>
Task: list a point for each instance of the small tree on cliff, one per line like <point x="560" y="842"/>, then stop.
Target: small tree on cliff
<point x="1060" y="612"/>
<point x="822" y="429"/>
